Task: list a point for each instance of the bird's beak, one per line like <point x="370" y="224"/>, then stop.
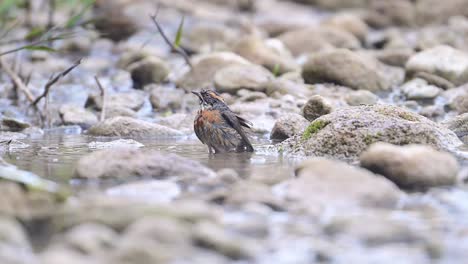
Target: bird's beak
<point x="198" y="94"/>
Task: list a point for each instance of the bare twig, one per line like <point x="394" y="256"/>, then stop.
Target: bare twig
<point x="103" y="96"/>
<point x="53" y="79"/>
<point x="175" y="49"/>
<point x="17" y="81"/>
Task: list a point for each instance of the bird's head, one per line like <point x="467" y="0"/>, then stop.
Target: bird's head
<point x="209" y="98"/>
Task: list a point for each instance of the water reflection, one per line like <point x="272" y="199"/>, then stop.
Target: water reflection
<point x="54" y="156"/>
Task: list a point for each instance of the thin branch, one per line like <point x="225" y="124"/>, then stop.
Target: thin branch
<point x="103" y="96"/>
<point x="17" y="81"/>
<point x="53" y="79"/>
<point x="175" y="49"/>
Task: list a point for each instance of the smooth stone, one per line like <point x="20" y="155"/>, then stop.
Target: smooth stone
<point x="288" y="125"/>
<point x="420" y="89"/>
<point x="411" y="166"/>
<point x="361" y="97"/>
<point x="351" y="69"/>
<point x="444" y="61"/>
<point x="130" y="162"/>
<point x="130" y="127"/>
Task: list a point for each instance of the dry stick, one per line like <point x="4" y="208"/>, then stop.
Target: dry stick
<point x="17" y="81"/>
<point x="168" y="42"/>
<point x="103" y="96"/>
<point x="53" y="80"/>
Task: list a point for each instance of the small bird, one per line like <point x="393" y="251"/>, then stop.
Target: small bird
<point x="218" y="127"/>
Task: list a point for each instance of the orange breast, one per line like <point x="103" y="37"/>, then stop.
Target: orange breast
<point x="211" y="116"/>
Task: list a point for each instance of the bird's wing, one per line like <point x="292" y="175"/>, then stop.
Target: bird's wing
<point x="234" y="122"/>
<point x="244" y="122"/>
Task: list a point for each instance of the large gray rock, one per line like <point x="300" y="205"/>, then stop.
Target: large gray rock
<point x="351" y="69"/>
<point x="122" y="126"/>
<point x="204" y="68"/>
<point x="133" y="100"/>
<point x="348" y="22"/>
<point x="236" y="77"/>
<point x="288" y="126"/>
<point x="361" y="97"/>
<point x="204" y="38"/>
<point x="444" y="61"/>
<point x="323" y="183"/>
<point x="348" y="131"/>
<point x="257" y="51"/>
<point x="166" y="98"/>
<point x="76" y="115"/>
<point x="314" y="39"/>
<point x="420" y="89"/>
<point x="411" y="166"/>
<point x="131" y="162"/>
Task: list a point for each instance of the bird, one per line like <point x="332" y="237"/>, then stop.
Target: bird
<point x="218" y="127"/>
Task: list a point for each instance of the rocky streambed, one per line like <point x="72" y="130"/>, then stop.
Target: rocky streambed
<point x="360" y="130"/>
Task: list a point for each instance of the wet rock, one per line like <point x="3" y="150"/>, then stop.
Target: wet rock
<point x="148" y="70"/>
<point x="249" y="192"/>
<point x="75" y="115"/>
<point x="203" y="38"/>
<point x="314" y="39"/>
<point x="129" y="127"/>
<point x="204" y="69"/>
<point x="350" y="69"/>
<point x="119" y="143"/>
<point x="420" y="89"/>
<point x="235" y="246"/>
<point x="361" y="97"/>
<point x="235" y="77"/>
<point x="257" y="51"/>
<point x="326" y="183"/>
<point x="459" y="125"/>
<point x="411" y="166"/>
<point x="131" y="162"/>
<point x="374" y="228"/>
<point x="444" y="61"/>
<point x="288" y="126"/>
<point x="251" y="96"/>
<point x="166" y="98"/>
<point x="350" y="23"/>
<point x="151" y="191"/>
<point x="433" y="112"/>
<point x="111" y="20"/>
<point x="316" y="107"/>
<point x="434" y="80"/>
<point x="91" y="238"/>
<point x="348" y="131"/>
<point x="115" y="111"/>
<point x="13" y="124"/>
<point x="133" y="100"/>
<point x="394" y="57"/>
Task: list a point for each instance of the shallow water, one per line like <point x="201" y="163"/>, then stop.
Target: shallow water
<point x="54" y="156"/>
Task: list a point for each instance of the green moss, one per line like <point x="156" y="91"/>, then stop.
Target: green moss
<point x="313" y="128"/>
